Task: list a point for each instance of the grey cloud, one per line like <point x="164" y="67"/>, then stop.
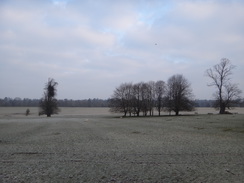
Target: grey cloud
<point x="93" y="46"/>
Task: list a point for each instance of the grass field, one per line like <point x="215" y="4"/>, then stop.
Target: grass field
<point x="71" y="111"/>
<point x="92" y="145"/>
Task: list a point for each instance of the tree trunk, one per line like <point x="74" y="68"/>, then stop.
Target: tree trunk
<point x="177" y="113"/>
<point x="222" y="109"/>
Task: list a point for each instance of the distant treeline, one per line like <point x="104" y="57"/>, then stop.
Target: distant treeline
<point x="18" y="102"/>
<point x="26" y="102"/>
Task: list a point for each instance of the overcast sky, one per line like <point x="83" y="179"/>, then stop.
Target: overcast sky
<point x="90" y="47"/>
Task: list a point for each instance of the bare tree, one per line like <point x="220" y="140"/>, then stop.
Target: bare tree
<point x="179" y="95"/>
<point x="129" y="97"/>
<point x="151" y="85"/>
<point x="159" y="92"/>
<point x="137" y="98"/>
<point x="146" y="98"/>
<point x="49" y="104"/>
<point x="121" y="100"/>
<point x="227" y="93"/>
<point x="117" y="101"/>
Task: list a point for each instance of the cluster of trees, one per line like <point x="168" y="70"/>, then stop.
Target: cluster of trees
<point x="84" y="103"/>
<point x="205" y="103"/>
<point x="176" y="95"/>
<point x="18" y="102"/>
<point x="145" y="97"/>
<point x="26" y="102"/>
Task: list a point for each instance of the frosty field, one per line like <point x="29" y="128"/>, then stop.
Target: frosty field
<point x="93" y="145"/>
